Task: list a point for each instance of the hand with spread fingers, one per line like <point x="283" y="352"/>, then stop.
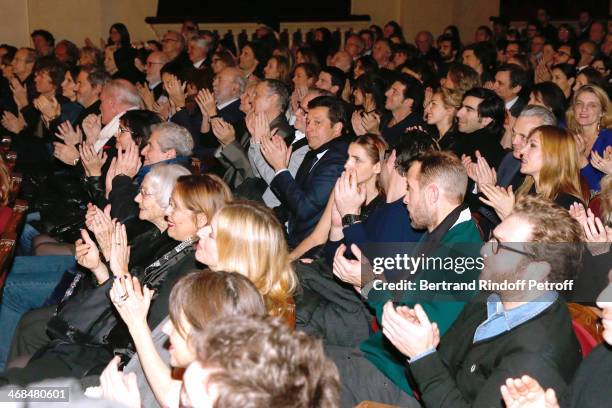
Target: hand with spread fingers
<point x="12" y="123"/>
<point x="92" y="161"/>
<point x="176" y="91"/>
<point x="119" y="387"/>
<point x="276" y="152"/>
<point x="131" y="301"/>
<point x="102" y="227"/>
<point x="261" y="128"/>
<point x="20" y="93"/>
<point x="207" y="102"/>
<point x="526" y="392"/>
<point x="409" y="330"/>
<point x="48" y="108"/>
<point x="128" y="161"/>
<point x="499" y="198"/>
<point x="348" y="270"/>
<point x="68" y="134"/>
<point x="146" y="95"/>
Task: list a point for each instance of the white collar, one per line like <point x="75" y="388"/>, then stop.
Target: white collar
<point x="464" y="216"/>
<point x="224" y="104"/>
<point x="152" y="86"/>
<point x="199" y="63"/>
<point x="511" y="103"/>
<point x="109" y="130"/>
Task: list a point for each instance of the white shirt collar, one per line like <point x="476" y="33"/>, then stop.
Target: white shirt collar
<point x="109" y="130"/>
<point x="511" y="103"/>
<point x="151" y="86"/>
<point x="464" y="216"/>
<point x="224" y="104"/>
<point x="199" y="63"/>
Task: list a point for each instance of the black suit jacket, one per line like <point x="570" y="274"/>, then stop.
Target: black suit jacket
<point x="305" y="197"/>
<point x="518" y="106"/>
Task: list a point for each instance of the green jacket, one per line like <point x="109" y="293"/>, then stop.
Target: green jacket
<point x="379" y="350"/>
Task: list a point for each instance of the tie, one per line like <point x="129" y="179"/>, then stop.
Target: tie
<point x="306" y="166"/>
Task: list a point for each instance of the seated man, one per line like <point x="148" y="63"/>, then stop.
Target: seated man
<point x="270" y="101"/>
<point x="304" y="197"/>
<point x="436" y="188"/>
<point x="515" y="331"/>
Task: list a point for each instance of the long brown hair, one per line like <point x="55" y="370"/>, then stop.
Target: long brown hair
<point x="202" y="194"/>
<point x="560" y="171"/>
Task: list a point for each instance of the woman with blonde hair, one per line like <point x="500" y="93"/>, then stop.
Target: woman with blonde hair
<point x="246" y="237"/>
<point x="590" y="118"/>
<point x="550" y="162"/>
<point x="362" y="169"/>
<point x="441" y="112"/>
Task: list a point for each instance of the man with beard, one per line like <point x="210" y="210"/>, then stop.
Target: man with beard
<point x="448" y="47"/>
<point x="502" y="333"/>
<point x="436" y="184"/>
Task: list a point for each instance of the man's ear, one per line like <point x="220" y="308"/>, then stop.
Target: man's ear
<point x="485" y="121"/>
<point x="517" y="89"/>
<point x="408" y="102"/>
<point x="170" y="154"/>
<point x="337" y="128"/>
<point x="432" y="194"/>
<point x="201" y="220"/>
<point x="334" y="89"/>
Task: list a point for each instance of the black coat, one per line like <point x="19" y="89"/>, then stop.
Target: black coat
<point x="467" y="374"/>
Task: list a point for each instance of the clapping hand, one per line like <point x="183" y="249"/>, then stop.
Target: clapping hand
<point x="131" y="301"/>
<point x="409" y="330"/>
<point x="128" y="161"/>
<point x="12" y="123"/>
<point x="120" y="251"/>
<point x="349" y="196"/>
<point x="499" y="198"/>
<point x="176" y="91"/>
<point x="597" y="235"/>
<point x="275" y="151"/>
<point x="100" y="223"/>
<point x="261" y="128"/>
<point x="206" y="101"/>
<point x="87" y="254"/>
<point x="119" y="387"/>
<point x="526" y="392"/>
<point x="49" y="108"/>
<point x="603" y="164"/>
<point x="223" y="131"/>
<point x="349" y="270"/>
<point x="357" y="123"/>
<point x="92" y="161"/>
<point x="20" y="93"/>
<point x="147" y="95"/>
<point x="162" y="108"/>
<point x="68" y="154"/>
<point x="92" y="125"/>
<point x="68" y="134"/>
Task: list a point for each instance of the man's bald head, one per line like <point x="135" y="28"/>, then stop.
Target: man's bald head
<point x="342" y="60"/>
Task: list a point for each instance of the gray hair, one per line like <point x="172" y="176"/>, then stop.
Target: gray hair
<point x="124" y="92"/>
<point x="544" y="114"/>
<point x="173" y="136"/>
<point x="239" y="79"/>
<point x="200" y="41"/>
<point x="162" y="178"/>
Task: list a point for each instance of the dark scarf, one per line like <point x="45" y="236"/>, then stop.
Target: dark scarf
<point x="431" y="240"/>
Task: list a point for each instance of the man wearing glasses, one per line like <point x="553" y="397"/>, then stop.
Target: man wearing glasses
<point x="502" y="334"/>
<point x="155" y="61"/>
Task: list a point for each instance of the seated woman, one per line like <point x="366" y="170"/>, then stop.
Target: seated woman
<point x="369" y="101"/>
<point x="590" y="117"/>
<point x="550" y="162"/>
<point x="84" y="332"/>
<point x="361" y="172"/>
<point x="33" y="279"/>
<point x="195" y="300"/>
<point x="440" y="112"/>
<point x="550" y="96"/>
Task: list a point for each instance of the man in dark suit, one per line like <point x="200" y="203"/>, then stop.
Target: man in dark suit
<point x="511" y="85"/>
<point x="197" y="49"/>
<point x="304" y="197"/>
<point x="155" y="62"/>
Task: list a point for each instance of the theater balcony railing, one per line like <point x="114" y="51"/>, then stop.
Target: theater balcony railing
<point x="290" y="28"/>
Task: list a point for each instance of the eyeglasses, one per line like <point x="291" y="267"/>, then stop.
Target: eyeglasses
<point x="149" y="63"/>
<point x="496" y="246"/>
<point x="169" y="39"/>
<point x="124" y="130"/>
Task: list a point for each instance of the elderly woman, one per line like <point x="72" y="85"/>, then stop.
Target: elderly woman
<point x="84" y="332"/>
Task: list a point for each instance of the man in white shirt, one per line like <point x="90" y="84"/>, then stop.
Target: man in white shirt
<point x="198" y="52"/>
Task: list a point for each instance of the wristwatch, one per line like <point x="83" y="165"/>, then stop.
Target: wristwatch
<point x="350" y="219"/>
